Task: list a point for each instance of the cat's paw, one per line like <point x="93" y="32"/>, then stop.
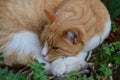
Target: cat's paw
<point x="81" y="66"/>
<point x="58" y="67"/>
<point x="63" y="66"/>
<point x="75" y="64"/>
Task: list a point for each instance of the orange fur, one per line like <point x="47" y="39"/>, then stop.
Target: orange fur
<point x="86" y="18"/>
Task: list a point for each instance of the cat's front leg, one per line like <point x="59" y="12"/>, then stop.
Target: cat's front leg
<point x="76" y="63"/>
<point x="58" y="67"/>
<point x="64" y="65"/>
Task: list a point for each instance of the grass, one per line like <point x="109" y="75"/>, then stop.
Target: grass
<point x="106" y="58"/>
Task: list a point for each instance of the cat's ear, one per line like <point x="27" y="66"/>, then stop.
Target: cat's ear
<point x="75" y="37"/>
<point x="50" y="15"/>
<point x="72" y="36"/>
<point x="50" y="7"/>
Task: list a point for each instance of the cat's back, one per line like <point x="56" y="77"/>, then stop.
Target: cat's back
<point x="21" y="14"/>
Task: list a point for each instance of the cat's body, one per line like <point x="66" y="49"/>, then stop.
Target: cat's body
<point x="22" y="21"/>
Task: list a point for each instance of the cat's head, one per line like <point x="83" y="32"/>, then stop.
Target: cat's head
<point x="60" y="39"/>
<point x="55" y="45"/>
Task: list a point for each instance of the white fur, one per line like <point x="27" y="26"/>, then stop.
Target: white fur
<point x="24" y="43"/>
<point x="107" y="30"/>
<point x="93" y="43"/>
<point x="58" y="67"/>
<point x="76" y="62"/>
<point x="44" y="49"/>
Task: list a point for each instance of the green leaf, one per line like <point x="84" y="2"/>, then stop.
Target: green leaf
<point x="113" y="6"/>
<point x="117" y="58"/>
<point x="1" y="58"/>
<point x="105" y="70"/>
<point x="116" y="45"/>
<point x="98" y="77"/>
<point x="43" y="64"/>
<point x="39" y="71"/>
<point x="114" y="26"/>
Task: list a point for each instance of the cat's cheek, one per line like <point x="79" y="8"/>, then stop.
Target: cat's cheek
<point x="58" y="67"/>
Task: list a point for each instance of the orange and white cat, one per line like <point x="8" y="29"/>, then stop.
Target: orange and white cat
<point x="77" y="27"/>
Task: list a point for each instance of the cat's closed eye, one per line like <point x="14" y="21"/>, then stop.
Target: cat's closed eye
<point x="55" y="48"/>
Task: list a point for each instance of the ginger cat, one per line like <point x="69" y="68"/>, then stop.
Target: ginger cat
<point x="77" y="27"/>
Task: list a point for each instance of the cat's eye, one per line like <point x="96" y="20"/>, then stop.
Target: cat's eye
<point x="55" y="47"/>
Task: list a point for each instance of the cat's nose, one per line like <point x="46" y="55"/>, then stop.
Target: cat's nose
<point x="44" y="55"/>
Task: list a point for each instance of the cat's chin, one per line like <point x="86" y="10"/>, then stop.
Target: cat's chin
<point x="46" y="58"/>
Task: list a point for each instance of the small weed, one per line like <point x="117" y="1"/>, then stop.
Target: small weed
<point x="5" y="74"/>
<point x="105" y="70"/>
<point x="114" y="26"/>
<point x="36" y="68"/>
<point x="39" y="71"/>
<point x="1" y="57"/>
